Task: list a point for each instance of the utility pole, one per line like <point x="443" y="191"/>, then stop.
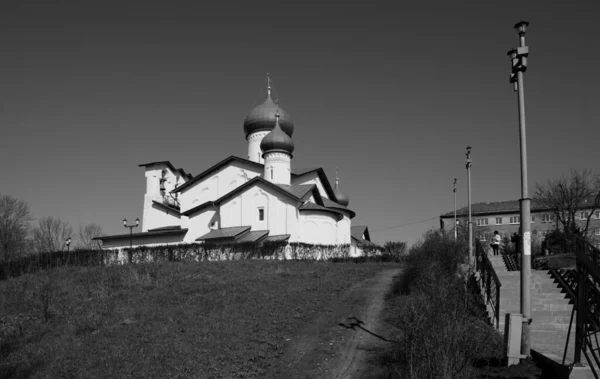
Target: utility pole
<point x="455" y="227"/>
<point x="518" y="67"/>
<point x="471" y="260"/>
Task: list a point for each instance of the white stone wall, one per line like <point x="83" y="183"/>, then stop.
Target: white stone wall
<point x="311" y="178"/>
<point x="218" y="184"/>
<point x="344" y="235"/>
<point x="317" y="228"/>
<point x="145" y="240"/>
<point x="155" y="217"/>
<point x="254" y="140"/>
<point x="199" y="223"/>
<point x="280" y="216"/>
<point x="277" y="167"/>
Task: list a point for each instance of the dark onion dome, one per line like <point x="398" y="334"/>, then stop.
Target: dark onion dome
<point x="262" y="117"/>
<point x="341" y="197"/>
<point x="277" y="140"/>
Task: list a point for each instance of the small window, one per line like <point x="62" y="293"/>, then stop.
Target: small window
<point x="498" y="220"/>
<point x="547" y="217"/>
<point x="532" y="219"/>
<point x="515" y="219"/>
<point x="261" y="214"/>
<point x="482" y="221"/>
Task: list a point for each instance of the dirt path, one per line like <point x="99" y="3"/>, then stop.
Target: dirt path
<point x="327" y="350"/>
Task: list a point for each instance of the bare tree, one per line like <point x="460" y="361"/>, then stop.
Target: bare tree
<point x="50" y="234"/>
<point x="568" y="195"/>
<point x="87" y="234"/>
<point x="14" y="225"/>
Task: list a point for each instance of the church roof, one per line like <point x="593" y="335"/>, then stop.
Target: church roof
<point x="174" y="227"/>
<point x="298" y="190"/>
<point x="215" y="168"/>
<point x="332" y="204"/>
<point x="168" y="164"/>
<point x="262" y="117"/>
<point x="259" y="166"/>
<point x="358" y="231"/>
<point x="224" y="233"/>
<point x="253" y="236"/>
<point x="167" y="206"/>
<point x="157" y="232"/>
<point x="277" y="238"/>
<point x="310" y="206"/>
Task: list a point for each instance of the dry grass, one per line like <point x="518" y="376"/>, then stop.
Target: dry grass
<point x="168" y="320"/>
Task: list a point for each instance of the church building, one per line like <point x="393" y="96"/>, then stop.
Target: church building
<point x="260" y="197"/>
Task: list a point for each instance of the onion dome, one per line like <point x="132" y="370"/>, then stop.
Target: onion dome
<point x="262" y="117"/>
<point x="341" y="197"/>
<point x="277" y="140"/>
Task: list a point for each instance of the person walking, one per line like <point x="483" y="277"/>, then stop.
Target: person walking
<point x="496" y="242"/>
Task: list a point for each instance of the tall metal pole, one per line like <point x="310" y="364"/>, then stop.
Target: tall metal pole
<point x="455" y="228"/>
<point x="519" y="66"/>
<point x="471" y="260"/>
<point x="130" y="237"/>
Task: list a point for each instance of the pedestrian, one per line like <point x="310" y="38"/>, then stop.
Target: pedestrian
<point x="496" y="242"/>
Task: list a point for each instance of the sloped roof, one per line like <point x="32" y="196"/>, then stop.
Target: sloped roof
<point x="224" y="233"/>
<point x="495" y="207"/>
<point x="358" y="231"/>
<point x="198" y="208"/>
<point x="174" y="227"/>
<point x="332" y="204"/>
<point x="252" y="236"/>
<point x="302" y="171"/>
<point x="310" y="206"/>
<point x="214" y="169"/>
<point x="168" y="164"/>
<point x="168" y="206"/>
<point x="143" y="234"/>
<point x="321" y="173"/>
<point x="277" y="238"/>
<point x="298" y="190"/>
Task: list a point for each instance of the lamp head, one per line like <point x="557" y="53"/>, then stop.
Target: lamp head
<point x="125" y="222"/>
<point x="512" y="53"/>
<point x="68" y="241"/>
<point x="521" y="26"/>
<point x="137" y="222"/>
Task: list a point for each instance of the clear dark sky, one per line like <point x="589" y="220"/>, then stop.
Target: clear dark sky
<point x="391" y="92"/>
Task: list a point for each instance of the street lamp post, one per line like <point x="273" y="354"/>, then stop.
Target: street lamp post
<point x="455" y="228"/>
<point x="68" y="243"/>
<point x="137" y="223"/>
<point x="518" y="67"/>
<point x="471" y="260"/>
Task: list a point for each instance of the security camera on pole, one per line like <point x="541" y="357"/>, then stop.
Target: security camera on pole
<point x="518" y="67"/>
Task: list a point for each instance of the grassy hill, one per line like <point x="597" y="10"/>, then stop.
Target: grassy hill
<point x="168" y="320"/>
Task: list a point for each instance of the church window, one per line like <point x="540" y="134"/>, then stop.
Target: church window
<point x="271" y="172"/>
<point x="261" y="214"/>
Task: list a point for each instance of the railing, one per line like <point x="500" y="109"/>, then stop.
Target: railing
<point x="582" y="286"/>
<point x="488" y="281"/>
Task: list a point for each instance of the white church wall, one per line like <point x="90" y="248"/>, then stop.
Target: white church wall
<point x="199" y="224"/>
<point x="218" y="184"/>
<point x="344" y="235"/>
<point x="244" y="210"/>
<point x="317" y="228"/>
<point x="153" y="217"/>
<point x="254" y="140"/>
<point x="311" y="178"/>
<point x="156" y="216"/>
<point x="143" y="240"/>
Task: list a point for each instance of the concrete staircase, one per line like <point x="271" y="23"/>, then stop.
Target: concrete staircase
<point x="551" y="311"/>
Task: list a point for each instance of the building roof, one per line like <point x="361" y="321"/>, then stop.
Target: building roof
<point x="277" y="140"/>
<point x="252" y="236"/>
<point x="168" y="164"/>
<point x="298" y="190"/>
<point x="198" y="208"/>
<point x="168" y="206"/>
<point x="495" y="207"/>
<point x="259" y="166"/>
<point x="262" y="117"/>
<point x="174" y="227"/>
<point x="310" y="206"/>
<point x="232" y="232"/>
<point x="214" y="169"/>
<point x="358" y="231"/>
<point x="277" y="238"/>
<point x="332" y="204"/>
<point x="167" y="232"/>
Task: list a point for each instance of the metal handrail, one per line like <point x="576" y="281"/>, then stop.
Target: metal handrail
<point x="487" y="275"/>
